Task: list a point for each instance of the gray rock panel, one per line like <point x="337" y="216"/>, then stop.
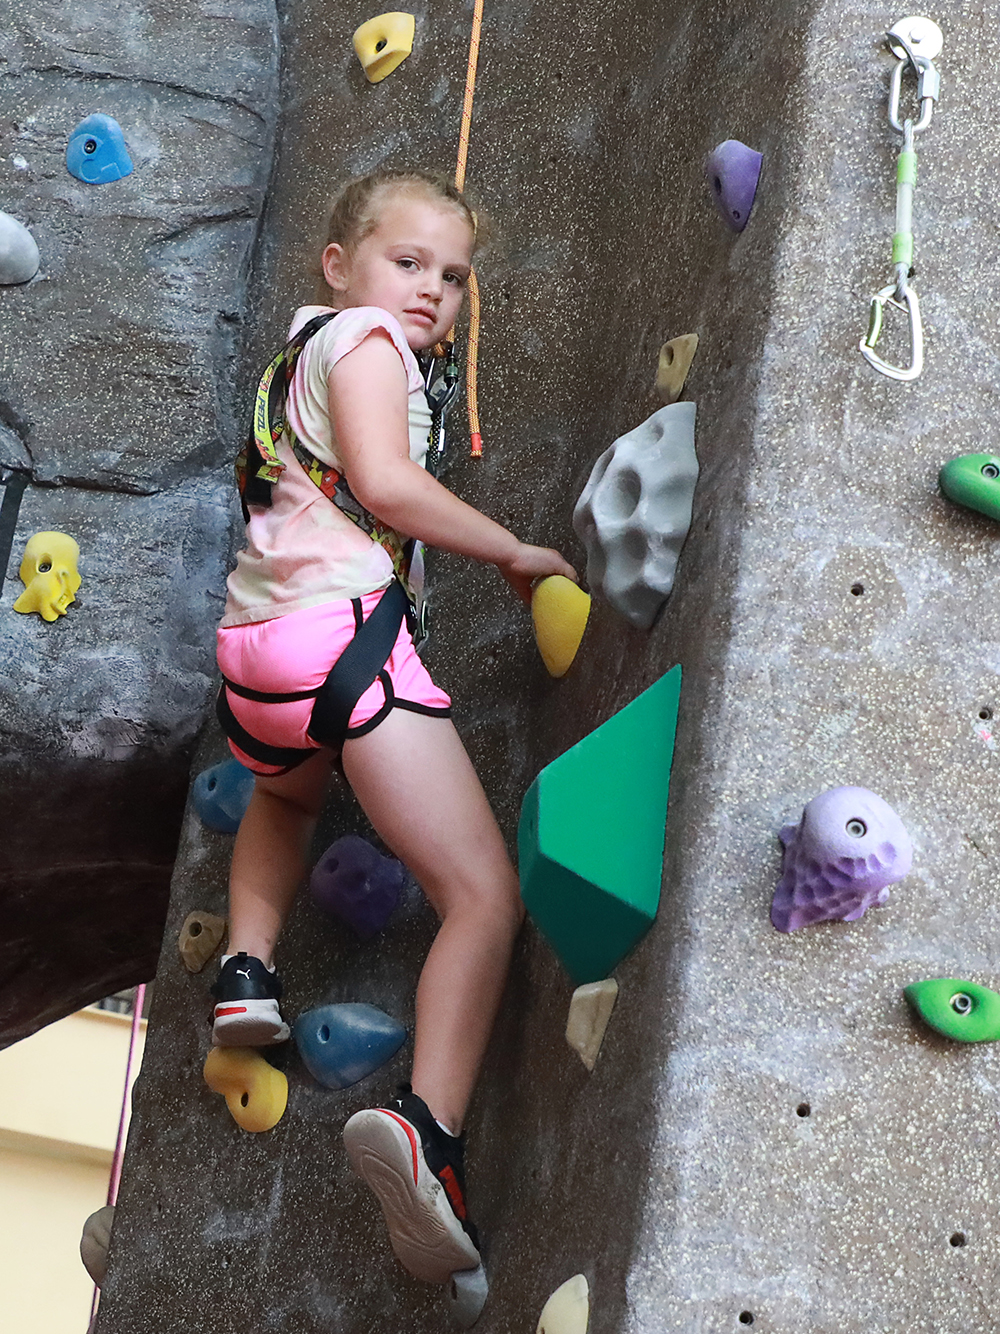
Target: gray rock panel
<point x="117" y="400"/>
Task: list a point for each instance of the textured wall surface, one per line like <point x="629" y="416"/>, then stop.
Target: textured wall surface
<point x="117" y="403"/>
<point x="766" y="1137"/>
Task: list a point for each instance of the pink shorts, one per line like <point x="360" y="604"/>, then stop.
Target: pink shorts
<point x="295" y="653"/>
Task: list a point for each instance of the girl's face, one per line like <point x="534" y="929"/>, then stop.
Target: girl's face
<point x="415" y="265"/>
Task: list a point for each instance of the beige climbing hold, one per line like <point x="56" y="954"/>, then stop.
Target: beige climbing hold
<point x="675" y="362"/>
<point x="559" y="609"/>
<point x="49" y="574"/>
<point x="568" y="1309"/>
<point x="95" y="1241"/>
<point x="200" y="936"/>
<point x="589" y="1012"/>
<point x="383" y="43"/>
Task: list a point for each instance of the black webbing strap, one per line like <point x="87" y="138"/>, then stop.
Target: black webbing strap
<point x="357" y="667"/>
<point x="351" y="675"/>
<point x="278" y="756"/>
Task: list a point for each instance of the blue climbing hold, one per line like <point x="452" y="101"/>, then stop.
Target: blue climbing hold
<point x="340" y="1044"/>
<point x="353" y="881"/>
<point x="221" y="795"/>
<point x="96" y="151"/>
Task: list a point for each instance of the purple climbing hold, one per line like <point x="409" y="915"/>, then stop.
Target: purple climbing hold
<point x="733" y="171"/>
<point x="840" y="859"/>
<point x="357" y="884"/>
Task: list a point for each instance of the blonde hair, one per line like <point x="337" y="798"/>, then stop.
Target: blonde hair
<point x="354" y="210"/>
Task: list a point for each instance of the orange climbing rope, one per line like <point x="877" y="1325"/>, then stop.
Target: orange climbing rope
<point x="472" y="359"/>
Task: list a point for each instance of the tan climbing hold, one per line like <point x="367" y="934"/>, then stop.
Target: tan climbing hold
<point x="559" y="609"/>
<point x="200" y="936"/>
<point x="95" y="1241"/>
<point x="589" y="1012"/>
<point x="256" y="1094"/>
<point x="383" y="43"/>
<point x="568" y="1309"/>
<point x="675" y="362"/>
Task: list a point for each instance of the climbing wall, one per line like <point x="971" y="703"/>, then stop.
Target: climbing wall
<point x="117" y="419"/>
<point x="766" y="1138"/>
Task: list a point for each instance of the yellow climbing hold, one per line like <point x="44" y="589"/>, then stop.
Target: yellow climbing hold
<point x="675" y="362"/>
<point x="589" y="1012"/>
<point x="560" y="610"/>
<point x="255" y="1092"/>
<point x="568" y="1309"/>
<point x="49" y="574"/>
<point x="383" y="43"/>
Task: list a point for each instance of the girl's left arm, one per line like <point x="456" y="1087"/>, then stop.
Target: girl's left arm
<point x="368" y="411"/>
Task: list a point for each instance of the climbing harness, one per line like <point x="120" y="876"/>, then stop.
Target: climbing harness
<point x="361" y="664"/>
<point x="258" y="466"/>
<point x="916" y="43"/>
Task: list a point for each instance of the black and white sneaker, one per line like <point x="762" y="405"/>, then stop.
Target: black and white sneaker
<point x="415" y="1168"/>
<point x="246" y="1012"/>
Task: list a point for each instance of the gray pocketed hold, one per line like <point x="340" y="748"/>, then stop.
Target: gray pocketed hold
<point x="635" y="511"/>
<point x="19" y="258"/>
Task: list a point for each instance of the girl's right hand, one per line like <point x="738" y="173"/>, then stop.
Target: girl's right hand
<point x="529" y="564"/>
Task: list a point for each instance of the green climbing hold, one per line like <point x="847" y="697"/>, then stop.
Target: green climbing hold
<point x="960" y="1010"/>
<point x="590" y="838"/>
<point x="973" y="480"/>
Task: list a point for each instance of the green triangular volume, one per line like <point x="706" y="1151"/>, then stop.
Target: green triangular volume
<point x="591" y="834"/>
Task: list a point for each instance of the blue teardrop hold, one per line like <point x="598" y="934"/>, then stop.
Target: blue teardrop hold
<point x="340" y="1044"/>
<point x="96" y="151"/>
<point x="220" y="795"/>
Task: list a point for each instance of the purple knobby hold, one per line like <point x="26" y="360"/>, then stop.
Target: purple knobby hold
<point x="356" y="883"/>
<point x="733" y="171"/>
<point x="840" y="859"/>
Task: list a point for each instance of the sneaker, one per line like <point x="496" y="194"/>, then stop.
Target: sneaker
<point x="415" y="1169"/>
<point x="246" y="1013"/>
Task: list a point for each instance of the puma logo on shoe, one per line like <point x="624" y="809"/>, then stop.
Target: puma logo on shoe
<point x="241" y="973"/>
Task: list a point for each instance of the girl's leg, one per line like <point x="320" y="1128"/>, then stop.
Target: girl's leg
<point x="416" y="784"/>
<point x="269" y="857"/>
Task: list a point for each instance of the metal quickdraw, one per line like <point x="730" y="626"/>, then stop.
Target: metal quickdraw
<point x="916" y="43"/>
<point x="440" y="387"/>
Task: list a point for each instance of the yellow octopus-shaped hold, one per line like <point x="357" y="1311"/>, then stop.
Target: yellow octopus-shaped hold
<point x="49" y="574"/>
<point x="383" y="43"/>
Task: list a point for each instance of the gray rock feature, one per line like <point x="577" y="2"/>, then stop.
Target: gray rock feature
<point x="119" y="402"/>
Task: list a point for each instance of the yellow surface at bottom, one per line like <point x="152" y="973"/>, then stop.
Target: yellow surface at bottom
<point x="44" y="1203"/>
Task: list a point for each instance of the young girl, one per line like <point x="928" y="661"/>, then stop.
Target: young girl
<point x="318" y="661"/>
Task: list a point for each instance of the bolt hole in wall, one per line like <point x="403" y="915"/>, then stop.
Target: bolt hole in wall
<point x="857" y="590"/>
<point x="803" y="1109"/>
<point x="957" y="1239"/>
<point x="746" y="1317"/>
<point x="986" y="713"/>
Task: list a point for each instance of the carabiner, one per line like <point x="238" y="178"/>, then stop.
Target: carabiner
<point x="904" y="38"/>
<point x="904" y="299"/>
